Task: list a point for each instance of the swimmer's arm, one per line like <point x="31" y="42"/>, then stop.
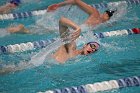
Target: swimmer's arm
<point x="68" y="23"/>
<point x="87" y="8"/>
<point x="56" y="6"/>
<point x="66" y="2"/>
<point x="4" y="9"/>
<point x="64" y="23"/>
<point x="19" y="28"/>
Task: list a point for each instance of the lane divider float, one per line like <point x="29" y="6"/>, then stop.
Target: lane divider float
<point x="43" y="43"/>
<point x="100" y="86"/>
<point x="42" y="12"/>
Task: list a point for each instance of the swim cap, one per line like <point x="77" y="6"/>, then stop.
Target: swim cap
<point x="97" y="45"/>
<point x="16" y="2"/>
<point x="110" y="12"/>
<point x="136" y="30"/>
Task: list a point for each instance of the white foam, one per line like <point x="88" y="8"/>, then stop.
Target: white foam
<point x="4" y="32"/>
<point x="12" y="67"/>
<point x="39" y="58"/>
<point x="121" y="8"/>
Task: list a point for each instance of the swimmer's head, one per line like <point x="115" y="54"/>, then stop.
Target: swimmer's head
<point x="90" y="47"/>
<point x="110" y="13"/>
<point x="15" y="2"/>
<point x="107" y="15"/>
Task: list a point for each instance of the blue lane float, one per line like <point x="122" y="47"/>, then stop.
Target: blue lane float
<point x="129" y="82"/>
<point x="43" y="43"/>
<point x="100" y="86"/>
<point x="41" y="12"/>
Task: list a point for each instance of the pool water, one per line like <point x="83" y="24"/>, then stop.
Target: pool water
<point x="117" y="58"/>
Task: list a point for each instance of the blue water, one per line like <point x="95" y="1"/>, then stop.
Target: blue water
<point x="117" y="58"/>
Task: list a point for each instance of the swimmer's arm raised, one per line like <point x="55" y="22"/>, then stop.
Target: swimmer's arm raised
<point x="56" y="6"/>
<point x="64" y="23"/>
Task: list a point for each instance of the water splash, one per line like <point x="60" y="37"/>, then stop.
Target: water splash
<point x="109" y="47"/>
<point x="13" y="67"/>
<point x="36" y="60"/>
<point x="50" y="20"/>
<point x="4" y="32"/>
<point x="121" y="8"/>
<point x="39" y="58"/>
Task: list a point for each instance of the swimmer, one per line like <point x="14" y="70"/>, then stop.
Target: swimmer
<point x="9" y="6"/>
<point x="94" y="18"/>
<point x="18" y="29"/>
<point x="69" y="50"/>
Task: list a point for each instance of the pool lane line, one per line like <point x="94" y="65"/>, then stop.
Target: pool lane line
<point x="42" y="12"/>
<point x="43" y="43"/>
<point x="99" y="86"/>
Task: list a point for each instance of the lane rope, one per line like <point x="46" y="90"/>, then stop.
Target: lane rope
<point x="100" y="86"/>
<point x="43" y="43"/>
<point x="42" y="12"/>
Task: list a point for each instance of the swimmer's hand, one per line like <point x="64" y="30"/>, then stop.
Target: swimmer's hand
<point x="76" y="34"/>
<point x="52" y="7"/>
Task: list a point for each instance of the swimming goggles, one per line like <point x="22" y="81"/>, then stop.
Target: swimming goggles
<point x="94" y="48"/>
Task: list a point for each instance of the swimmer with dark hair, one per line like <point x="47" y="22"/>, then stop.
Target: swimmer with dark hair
<point x="95" y="17"/>
<point x="69" y="50"/>
<point x="12" y="4"/>
<point x="18" y="29"/>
